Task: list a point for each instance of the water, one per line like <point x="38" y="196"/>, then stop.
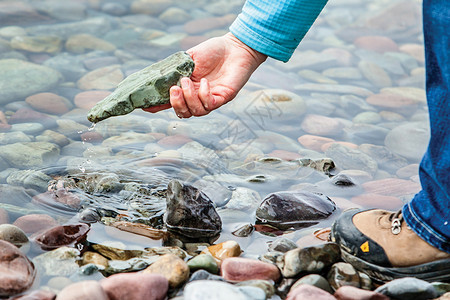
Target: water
<point x="345" y="85"/>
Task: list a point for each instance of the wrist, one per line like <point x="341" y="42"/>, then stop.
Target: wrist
<point x="257" y="56"/>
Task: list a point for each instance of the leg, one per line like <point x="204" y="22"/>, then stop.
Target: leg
<point x="428" y="213"/>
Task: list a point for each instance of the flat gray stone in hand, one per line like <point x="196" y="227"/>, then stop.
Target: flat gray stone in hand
<point x="145" y="88"/>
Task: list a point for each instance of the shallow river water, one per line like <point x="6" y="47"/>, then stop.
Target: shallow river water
<point x="352" y="94"/>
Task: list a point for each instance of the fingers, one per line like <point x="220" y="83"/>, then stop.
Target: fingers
<point x="187" y="102"/>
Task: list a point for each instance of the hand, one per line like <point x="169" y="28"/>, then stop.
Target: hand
<point x="222" y="66"/>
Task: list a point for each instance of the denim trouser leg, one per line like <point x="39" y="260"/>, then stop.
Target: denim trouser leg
<point x="428" y="213"/>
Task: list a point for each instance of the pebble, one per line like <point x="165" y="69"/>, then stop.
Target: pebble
<point x="171" y="267"/>
<point x="39" y="78"/>
<point x="224" y="250"/>
<point x="12" y="31"/>
<point x="294" y="208"/>
<point x="311" y="259"/>
<point x="33" y="223"/>
<point x="408" y="288"/>
<point x="375" y="74"/>
<point x="153" y="8"/>
<point x="341" y="274"/>
<point x="240" y="269"/>
<point x="81" y="43"/>
<point x="101" y="79"/>
<point x="95" y="258"/>
<point x="87" y="100"/>
<point x="282" y="244"/>
<point x="13" y="235"/>
<point x="306" y="291"/>
<point x="314" y="280"/>
<point x="334" y="89"/>
<point x="202" y="25"/>
<point x="65" y="235"/>
<point x="37" y="44"/>
<point x="378" y="44"/>
<point x="53" y="137"/>
<point x="27" y="115"/>
<point x="49" y="103"/>
<point x="321" y="125"/>
<point x="353" y="159"/>
<point x="348" y="292"/>
<point x="174" y="15"/>
<point x="391" y="101"/>
<point x="88" y="290"/>
<point x="314" y="142"/>
<point x="218" y="290"/>
<point x="343" y="73"/>
<point x="378" y="201"/>
<point x="16" y="271"/>
<point x="267" y="286"/>
<point x="38" y="295"/>
<point x="4" y="217"/>
<point x="136" y="286"/>
<point x="29" y="155"/>
<point x="62" y="261"/>
<point x="203" y="261"/>
<point x="392" y="187"/>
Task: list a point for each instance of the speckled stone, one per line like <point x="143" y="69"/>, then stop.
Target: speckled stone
<point x="171" y="267"/>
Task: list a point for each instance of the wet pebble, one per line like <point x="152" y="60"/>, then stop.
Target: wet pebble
<point x="49" y="103"/>
<point x="88" y="289"/>
<point x="347" y="158"/>
<point x="375" y="74"/>
<point x="314" y="280"/>
<point x="37" y="44"/>
<point x="190" y="212"/>
<point x="392" y="187"/>
<point x="207" y="289"/>
<point x="27" y="115"/>
<point x="282" y="244"/>
<point x="29" y="155"/>
<point x="311" y="259"/>
<point x="81" y="43"/>
<point x="62" y="261"/>
<point x="241" y="269"/>
<point x="66" y="235"/>
<point x="13" y="234"/>
<point x="321" y="125"/>
<point x="95" y="258"/>
<point x="342" y="274"/>
<point x="136" y="286"/>
<point x="16" y="271"/>
<point x="224" y="250"/>
<point x="294" y="208"/>
<point x="352" y="293"/>
<point x="306" y="291"/>
<point x="203" y="261"/>
<point x="376" y="43"/>
<point x="314" y="142"/>
<point x="101" y="79"/>
<point x="409" y="140"/>
<point x="408" y="288"/>
<point x="378" y="201"/>
<point x="174" y="15"/>
<point x="171" y="267"/>
<point x="4" y="217"/>
<point x="39" y="78"/>
<point x="33" y="223"/>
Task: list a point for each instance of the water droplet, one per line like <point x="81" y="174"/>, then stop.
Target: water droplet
<point x="80" y="131"/>
<point x="82" y="168"/>
<point x="92" y="127"/>
<point x="445" y="223"/>
<point x="174" y="127"/>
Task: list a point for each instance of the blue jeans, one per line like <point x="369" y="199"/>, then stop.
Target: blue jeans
<point x="428" y="213"/>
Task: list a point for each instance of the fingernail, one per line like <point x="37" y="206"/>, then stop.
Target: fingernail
<point x="184" y="81"/>
<point x="174" y="92"/>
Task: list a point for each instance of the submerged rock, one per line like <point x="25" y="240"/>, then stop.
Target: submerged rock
<point x="294" y="208"/>
<point x="16" y="271"/>
<point x="145" y="88"/>
<point x="190" y="212"/>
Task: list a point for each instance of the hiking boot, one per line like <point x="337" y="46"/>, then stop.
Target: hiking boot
<point x="381" y="244"/>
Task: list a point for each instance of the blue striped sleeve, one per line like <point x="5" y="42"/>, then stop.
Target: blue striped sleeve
<point x="276" y="27"/>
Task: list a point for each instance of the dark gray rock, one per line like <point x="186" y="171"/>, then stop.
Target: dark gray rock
<point x="190" y="212"/>
<point x="294" y="208"/>
<point x="408" y="288"/>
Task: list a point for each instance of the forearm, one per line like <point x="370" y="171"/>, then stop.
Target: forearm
<point x="275" y="28"/>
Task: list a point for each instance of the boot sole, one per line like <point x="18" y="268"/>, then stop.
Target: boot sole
<point x="432" y="271"/>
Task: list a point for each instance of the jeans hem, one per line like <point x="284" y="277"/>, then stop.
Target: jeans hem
<point x="432" y="237"/>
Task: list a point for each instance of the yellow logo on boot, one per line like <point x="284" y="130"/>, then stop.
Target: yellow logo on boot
<point x="365" y="247"/>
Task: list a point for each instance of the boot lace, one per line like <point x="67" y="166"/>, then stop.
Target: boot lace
<point x="396" y="222"/>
